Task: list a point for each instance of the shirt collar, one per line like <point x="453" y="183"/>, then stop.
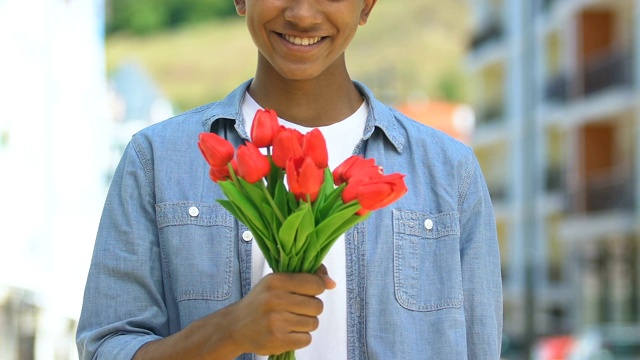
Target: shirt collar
<point x="380" y="115"/>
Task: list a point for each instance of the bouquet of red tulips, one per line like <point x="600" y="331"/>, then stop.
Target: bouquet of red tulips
<point x="295" y="225"/>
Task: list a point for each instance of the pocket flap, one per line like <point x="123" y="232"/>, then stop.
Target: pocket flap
<point x="192" y="213"/>
<point x="426" y="225"/>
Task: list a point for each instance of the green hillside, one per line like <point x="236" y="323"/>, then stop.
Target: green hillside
<point x="409" y="48"/>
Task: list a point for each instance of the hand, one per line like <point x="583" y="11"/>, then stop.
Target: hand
<point x="280" y="312"/>
<point x="277" y="316"/>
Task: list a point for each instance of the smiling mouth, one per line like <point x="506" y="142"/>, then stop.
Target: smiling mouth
<point x="302" y="41"/>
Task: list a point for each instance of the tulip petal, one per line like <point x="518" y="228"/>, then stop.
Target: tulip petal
<point x="286" y="145"/>
<point x="215" y="149"/>
<point x="264" y="127"/>
<point x="315" y="147"/>
<point x="252" y="164"/>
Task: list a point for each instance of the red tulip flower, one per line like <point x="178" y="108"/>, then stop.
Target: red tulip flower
<point x="356" y="168"/>
<point x="315" y="147"/>
<point x="375" y="193"/>
<point x="295" y="214"/>
<point x="222" y="173"/>
<point x="217" y="151"/>
<point x="304" y="178"/>
<point x="264" y="128"/>
<point x="252" y="164"/>
<point x="286" y="145"/>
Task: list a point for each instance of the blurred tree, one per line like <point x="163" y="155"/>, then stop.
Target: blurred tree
<point x="451" y="86"/>
<point x="146" y="16"/>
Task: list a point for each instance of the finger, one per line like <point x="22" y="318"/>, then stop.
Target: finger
<point x="295" y="304"/>
<point x="324" y="274"/>
<point x="291" y="341"/>
<point x="300" y="283"/>
<point x="301" y="323"/>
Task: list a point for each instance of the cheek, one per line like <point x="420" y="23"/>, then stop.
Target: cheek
<point x="256" y="35"/>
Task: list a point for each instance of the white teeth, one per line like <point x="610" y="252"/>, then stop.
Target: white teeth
<point x="301" y="41"/>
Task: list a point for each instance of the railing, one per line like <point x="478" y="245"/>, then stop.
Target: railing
<point x="490" y="114"/>
<point x="498" y="193"/>
<point x="490" y="32"/>
<point x="557" y="89"/>
<point x="547" y="5"/>
<point x="607" y="70"/>
<point x="554" y="179"/>
<point x="606" y="192"/>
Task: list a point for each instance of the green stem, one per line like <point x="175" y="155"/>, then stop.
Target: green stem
<point x="234" y="178"/>
<point x="271" y="202"/>
<point x="289" y="355"/>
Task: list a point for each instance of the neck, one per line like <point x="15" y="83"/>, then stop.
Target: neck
<point x="320" y="101"/>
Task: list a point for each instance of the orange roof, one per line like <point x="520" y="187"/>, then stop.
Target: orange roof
<point x="456" y="120"/>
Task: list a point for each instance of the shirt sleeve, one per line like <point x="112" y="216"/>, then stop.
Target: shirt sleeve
<point x="481" y="272"/>
<point x="124" y="302"/>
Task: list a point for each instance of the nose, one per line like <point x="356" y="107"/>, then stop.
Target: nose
<point x="303" y="13"/>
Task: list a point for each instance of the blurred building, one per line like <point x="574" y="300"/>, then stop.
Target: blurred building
<point x="557" y="90"/>
<point x="63" y="130"/>
<point x="54" y="132"/>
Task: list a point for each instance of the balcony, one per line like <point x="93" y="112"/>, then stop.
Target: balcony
<point x="554" y="179"/>
<point x="557" y="89"/>
<point x="603" y="193"/>
<point x="547" y="5"/>
<point x="498" y="193"/>
<point x="489" y="114"/>
<point x="605" y="71"/>
<point x="492" y="31"/>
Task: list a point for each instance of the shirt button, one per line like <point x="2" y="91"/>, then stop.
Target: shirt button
<point x="428" y="224"/>
<point x="247" y="236"/>
<point x="193" y="211"/>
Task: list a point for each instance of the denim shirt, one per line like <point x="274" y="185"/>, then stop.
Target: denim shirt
<point x="423" y="274"/>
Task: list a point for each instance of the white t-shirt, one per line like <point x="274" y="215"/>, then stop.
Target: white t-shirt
<point x="330" y="339"/>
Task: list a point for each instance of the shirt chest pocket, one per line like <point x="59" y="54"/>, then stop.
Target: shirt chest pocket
<point x="427" y="273"/>
<point x="196" y="240"/>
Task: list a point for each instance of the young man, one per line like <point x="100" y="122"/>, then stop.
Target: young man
<point x="175" y="276"/>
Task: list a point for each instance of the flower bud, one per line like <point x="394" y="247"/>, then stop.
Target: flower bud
<point x="216" y="150"/>
<point x="304" y="178"/>
<point x="252" y="164"/>
<point x="264" y="127"/>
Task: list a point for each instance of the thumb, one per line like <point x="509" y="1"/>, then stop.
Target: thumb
<point x="324" y="274"/>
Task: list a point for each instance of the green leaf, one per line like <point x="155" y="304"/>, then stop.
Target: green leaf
<point x="253" y="191"/>
<point x="328" y="243"/>
<point x="275" y="176"/>
<point x="290" y="227"/>
<point x="328" y="225"/>
<point x="309" y="250"/>
<point x="332" y="200"/>
<point x="328" y="184"/>
<point x="252" y="218"/>
<point x="232" y="209"/>
<point x="292" y="202"/>
<point x="283" y="264"/>
<point x="270" y="216"/>
<point x="306" y="227"/>
<point x="346" y="225"/>
<point x="268" y="248"/>
<point x="280" y="199"/>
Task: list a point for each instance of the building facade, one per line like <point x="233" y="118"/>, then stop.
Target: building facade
<point x="556" y="92"/>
